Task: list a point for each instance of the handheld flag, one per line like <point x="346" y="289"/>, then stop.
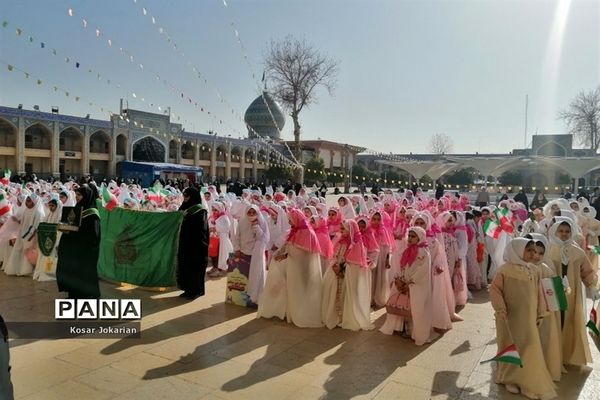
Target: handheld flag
<point x="592" y="324"/>
<point x="110" y="201"/>
<point x="6" y="180"/>
<point x="595" y="249"/>
<point x="554" y="294"/>
<point x="509" y="355"/>
<point x="492" y="229"/>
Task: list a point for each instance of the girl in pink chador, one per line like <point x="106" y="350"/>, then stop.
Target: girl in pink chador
<point x="443" y="302"/>
<point x="381" y="282"/>
<point x="446" y="222"/>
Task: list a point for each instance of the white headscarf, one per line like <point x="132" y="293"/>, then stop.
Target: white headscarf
<point x="257" y="277"/>
<point x="513" y="253"/>
<point x="589" y="212"/>
<point x="54" y="217"/>
<point x="538" y="237"/>
<point x="31" y="217"/>
<point x="347" y="210"/>
<point x="564" y="245"/>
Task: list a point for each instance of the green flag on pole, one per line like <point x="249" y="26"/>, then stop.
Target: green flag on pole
<point x="139" y="247"/>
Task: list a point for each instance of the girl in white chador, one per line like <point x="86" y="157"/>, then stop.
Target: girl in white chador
<point x="299" y="273"/>
<point x="221" y="228"/>
<point x="251" y="239"/>
<point x="33" y="214"/>
<point x="411" y="292"/>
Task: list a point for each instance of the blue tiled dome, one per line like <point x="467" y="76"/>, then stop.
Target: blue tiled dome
<point x="259" y="119"/>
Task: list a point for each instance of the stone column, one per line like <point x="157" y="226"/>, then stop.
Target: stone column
<point x="196" y="153"/>
<point x="228" y="161"/>
<point x="20" y="147"/>
<point x="55" y="149"/>
<point x="178" y="145"/>
<point x="112" y="156"/>
<point x="242" y="163"/>
<point x="255" y="164"/>
<point x="85" y="154"/>
<point x="213" y="160"/>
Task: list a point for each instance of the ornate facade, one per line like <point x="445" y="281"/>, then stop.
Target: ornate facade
<point x="49" y="144"/>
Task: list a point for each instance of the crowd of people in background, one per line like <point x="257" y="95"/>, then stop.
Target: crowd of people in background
<point x="419" y="256"/>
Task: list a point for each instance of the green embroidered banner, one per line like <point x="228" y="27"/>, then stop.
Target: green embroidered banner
<point x="139" y="247"/>
<point x="46" y="236"/>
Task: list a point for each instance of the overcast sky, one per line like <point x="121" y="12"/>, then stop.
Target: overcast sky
<point x="408" y="69"/>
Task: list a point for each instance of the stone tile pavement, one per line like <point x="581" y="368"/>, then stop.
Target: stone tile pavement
<point x="208" y="350"/>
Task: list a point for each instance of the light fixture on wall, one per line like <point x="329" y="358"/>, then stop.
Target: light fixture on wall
<point x="36" y="107"/>
<point x="20" y="106"/>
<point x="54" y="110"/>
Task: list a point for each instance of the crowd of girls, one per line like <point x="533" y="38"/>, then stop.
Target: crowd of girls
<point x="422" y="259"/>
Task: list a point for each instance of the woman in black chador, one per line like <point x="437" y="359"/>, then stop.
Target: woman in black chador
<point x="77" y="269"/>
<point x="192" y="255"/>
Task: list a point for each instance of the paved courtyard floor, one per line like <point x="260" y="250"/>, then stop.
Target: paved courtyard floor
<point x="205" y="349"/>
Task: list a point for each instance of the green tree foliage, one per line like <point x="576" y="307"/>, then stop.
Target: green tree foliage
<point x="314" y="170"/>
<point x="514" y="177"/>
<point x="463" y="176"/>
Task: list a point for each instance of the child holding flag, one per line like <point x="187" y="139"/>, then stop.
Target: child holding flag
<point x="514" y="295"/>
<point x="549" y="327"/>
<point x="571" y="264"/>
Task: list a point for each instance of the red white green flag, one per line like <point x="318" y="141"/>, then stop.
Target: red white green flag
<point x="506" y="219"/>
<point x="492" y="229"/>
<point x="594" y="249"/>
<point x="554" y="293"/>
<point x="593" y="322"/>
<point x="509" y="355"/>
<point x="110" y="201"/>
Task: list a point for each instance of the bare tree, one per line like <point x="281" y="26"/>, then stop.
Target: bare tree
<point x="440" y="144"/>
<point x="583" y="118"/>
<point x="295" y="69"/>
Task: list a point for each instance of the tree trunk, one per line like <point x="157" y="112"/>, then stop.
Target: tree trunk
<point x="299" y="172"/>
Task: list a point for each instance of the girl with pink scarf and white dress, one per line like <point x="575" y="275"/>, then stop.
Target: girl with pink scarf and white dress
<point x="443" y="301"/>
<point x="346" y="290"/>
<point x="411" y="291"/>
<point x="301" y="271"/>
<point x="446" y="222"/>
<point x="380" y="278"/>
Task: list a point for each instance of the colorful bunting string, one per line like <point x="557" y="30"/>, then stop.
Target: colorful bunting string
<point x="175" y="89"/>
<point x="197" y="71"/>
<point x="99" y="76"/>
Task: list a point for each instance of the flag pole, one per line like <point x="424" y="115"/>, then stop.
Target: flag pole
<point x="526" y="110"/>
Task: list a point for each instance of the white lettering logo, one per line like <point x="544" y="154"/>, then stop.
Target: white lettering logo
<point x="92" y="309"/>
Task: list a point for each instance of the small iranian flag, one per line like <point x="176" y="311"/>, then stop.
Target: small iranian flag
<point x="110" y="201"/>
<point x="509" y="355"/>
<point x="492" y="229"/>
<point x="554" y="294"/>
<point x="595" y="249"/>
<point x="592" y="323"/>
